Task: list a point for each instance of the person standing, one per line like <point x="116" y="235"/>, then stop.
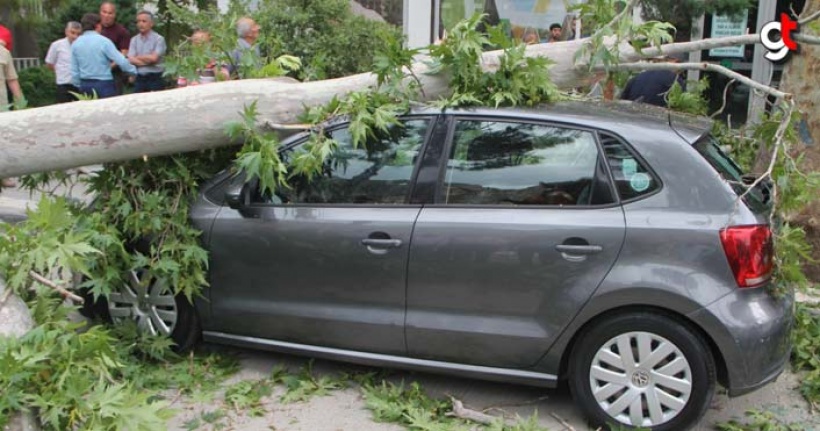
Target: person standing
<point x="555" y="33"/>
<point x="58" y="59"/>
<point x="146" y="51"/>
<point x="248" y="31"/>
<point x="8" y="77"/>
<point x="118" y="34"/>
<point x="91" y="58"/>
<point x="6" y="38"/>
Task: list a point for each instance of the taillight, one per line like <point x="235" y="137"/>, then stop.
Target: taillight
<point x="750" y="253"/>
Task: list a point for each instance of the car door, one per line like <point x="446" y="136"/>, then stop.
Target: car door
<point x="325" y="261"/>
<point x="523" y="230"/>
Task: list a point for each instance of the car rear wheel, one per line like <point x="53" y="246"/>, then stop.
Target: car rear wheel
<point x="642" y="370"/>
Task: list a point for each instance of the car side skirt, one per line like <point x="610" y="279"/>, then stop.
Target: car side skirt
<point x="374" y="359"/>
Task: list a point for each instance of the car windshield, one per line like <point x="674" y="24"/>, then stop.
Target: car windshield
<point x="758" y="198"/>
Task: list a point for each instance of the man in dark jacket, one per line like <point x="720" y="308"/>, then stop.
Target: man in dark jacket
<point x="651" y="86"/>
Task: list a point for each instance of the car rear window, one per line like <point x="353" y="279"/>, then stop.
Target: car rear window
<point x="633" y="179"/>
<point x="709" y="148"/>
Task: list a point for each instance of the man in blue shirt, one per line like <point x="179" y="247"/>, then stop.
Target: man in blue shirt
<point x="91" y="57"/>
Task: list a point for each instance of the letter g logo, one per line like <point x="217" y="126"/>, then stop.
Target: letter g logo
<point x="779" y="49"/>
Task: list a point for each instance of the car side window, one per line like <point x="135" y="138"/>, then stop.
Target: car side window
<point x="632" y="177"/>
<point x="379" y="172"/>
<point x="514" y="163"/>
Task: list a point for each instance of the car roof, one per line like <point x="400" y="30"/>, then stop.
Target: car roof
<point x="614" y="116"/>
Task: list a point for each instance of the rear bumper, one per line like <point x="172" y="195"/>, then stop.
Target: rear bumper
<point x="752" y="330"/>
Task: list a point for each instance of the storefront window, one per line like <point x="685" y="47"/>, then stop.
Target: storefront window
<point x="520" y="17"/>
<point x="391" y="10"/>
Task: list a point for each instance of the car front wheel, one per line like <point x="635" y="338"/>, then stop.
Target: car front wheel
<point x="146" y="300"/>
<point x="642" y="370"/>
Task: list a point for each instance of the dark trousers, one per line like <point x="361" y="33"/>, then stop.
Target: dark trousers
<point x="64" y="93"/>
<point x="119" y="80"/>
<point x="103" y="88"/>
<point x="149" y="82"/>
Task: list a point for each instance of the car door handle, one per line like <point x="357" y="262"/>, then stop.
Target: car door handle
<point x="381" y="243"/>
<point x="579" y="249"/>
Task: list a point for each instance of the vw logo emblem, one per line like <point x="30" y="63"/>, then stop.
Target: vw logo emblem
<point x="640" y="379"/>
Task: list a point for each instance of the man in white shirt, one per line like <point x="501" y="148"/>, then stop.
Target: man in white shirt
<point x="58" y="59"/>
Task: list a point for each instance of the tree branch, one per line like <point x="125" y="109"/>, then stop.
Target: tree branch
<point x="627" y="9"/>
<point x="776" y="147"/>
<point x="806" y="38"/>
<point x="46" y="282"/>
<point x="706" y="67"/>
<point x="810" y="17"/>
<point x="462" y="412"/>
<point x="725" y="99"/>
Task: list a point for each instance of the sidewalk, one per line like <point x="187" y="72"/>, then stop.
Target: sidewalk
<point x="14" y="201"/>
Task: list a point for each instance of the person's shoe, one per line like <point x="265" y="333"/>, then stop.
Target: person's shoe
<point x="9" y="183"/>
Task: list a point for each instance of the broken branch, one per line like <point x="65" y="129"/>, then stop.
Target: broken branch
<point x="46" y="282"/>
<point x="706" y="67"/>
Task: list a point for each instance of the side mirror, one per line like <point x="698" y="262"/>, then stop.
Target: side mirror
<point x="236" y="195"/>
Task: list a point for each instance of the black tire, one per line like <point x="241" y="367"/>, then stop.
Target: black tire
<point x="688" y="369"/>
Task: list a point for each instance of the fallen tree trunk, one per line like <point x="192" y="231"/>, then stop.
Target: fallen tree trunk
<point x="193" y="118"/>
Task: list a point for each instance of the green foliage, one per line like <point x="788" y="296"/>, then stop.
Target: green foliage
<point x="760" y="421"/>
<point x="519" y="80"/>
<point x="306" y="384"/>
<point x="318" y="31"/>
<point x="259" y="156"/>
<point x="408" y="406"/>
<point x="737" y="143"/>
<point x="412" y="408"/>
<point x="50" y="240"/>
<point x="691" y="101"/>
<point x="73" y="378"/>
<point x="298" y="38"/>
<point x="64" y="11"/>
<point x="38" y="85"/>
<point x="246" y="396"/>
<point x="599" y="16"/>
<point x="806" y="350"/>
<point x="148" y="201"/>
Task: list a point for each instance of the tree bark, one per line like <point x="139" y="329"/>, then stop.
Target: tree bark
<point x="193" y="118"/>
<point x="800" y="76"/>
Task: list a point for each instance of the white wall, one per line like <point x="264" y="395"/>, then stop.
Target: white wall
<point x="418" y="18"/>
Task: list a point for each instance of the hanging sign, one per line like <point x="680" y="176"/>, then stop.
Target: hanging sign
<point x="729" y="25"/>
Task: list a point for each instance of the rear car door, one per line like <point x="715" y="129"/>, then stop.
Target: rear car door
<point x="523" y="229"/>
<point x="324" y="262"/>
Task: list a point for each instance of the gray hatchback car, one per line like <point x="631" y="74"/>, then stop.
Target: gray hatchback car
<point x="598" y="244"/>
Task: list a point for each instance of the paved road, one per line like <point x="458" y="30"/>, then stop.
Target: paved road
<point x="344" y="410"/>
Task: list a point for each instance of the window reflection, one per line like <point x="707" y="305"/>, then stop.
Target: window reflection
<point x="377" y="173"/>
<point x="503" y="163"/>
<point x="520" y="18"/>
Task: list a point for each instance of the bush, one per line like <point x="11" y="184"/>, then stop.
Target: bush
<point x="73" y="10"/>
<point x="329" y="39"/>
<point x="39" y="86"/>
